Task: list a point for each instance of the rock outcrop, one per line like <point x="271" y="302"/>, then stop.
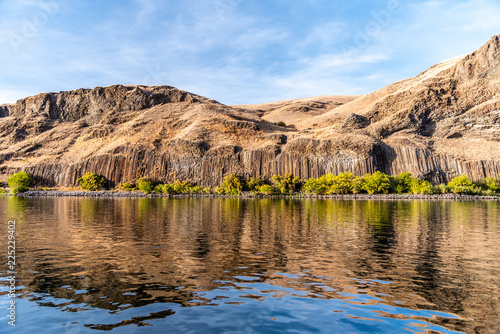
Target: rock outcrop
<point x="440" y="124"/>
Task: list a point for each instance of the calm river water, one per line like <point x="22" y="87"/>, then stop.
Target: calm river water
<point x="251" y="266"/>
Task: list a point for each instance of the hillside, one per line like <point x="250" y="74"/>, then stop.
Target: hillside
<point x="439" y="124"/>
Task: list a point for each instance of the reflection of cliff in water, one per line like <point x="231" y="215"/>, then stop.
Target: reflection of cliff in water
<point x="120" y="253"/>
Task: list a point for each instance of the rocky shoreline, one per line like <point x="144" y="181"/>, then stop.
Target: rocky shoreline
<point x="136" y="194"/>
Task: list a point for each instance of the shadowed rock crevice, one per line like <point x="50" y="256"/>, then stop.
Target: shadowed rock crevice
<point x="439" y="124"/>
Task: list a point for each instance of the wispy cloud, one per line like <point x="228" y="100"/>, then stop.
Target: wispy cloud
<point x="236" y="51"/>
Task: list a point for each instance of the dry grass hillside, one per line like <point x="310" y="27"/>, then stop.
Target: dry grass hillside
<point x="439" y="124"/>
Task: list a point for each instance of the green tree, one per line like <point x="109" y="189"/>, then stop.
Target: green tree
<point x="346" y="183"/>
<point x="232" y="185"/>
<point x="145" y="184"/>
<point x="422" y="187"/>
<point x="441" y="189"/>
<point x="287" y="184"/>
<point x="91" y="181"/>
<point x="376" y="183"/>
<point x="20" y="182"/>
<point x="319" y="186"/>
<point x="491" y="183"/>
<point x="126" y="186"/>
<point x="267" y="189"/>
<point x="254" y="184"/>
<point x="403" y="183"/>
<point x="461" y="185"/>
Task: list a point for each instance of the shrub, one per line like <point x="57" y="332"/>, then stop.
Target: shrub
<point x="319" y="186"/>
<point x="254" y="184"/>
<point x="376" y="183"/>
<point x="194" y="190"/>
<point x="491" y="183"/>
<point x="281" y="123"/>
<point x="287" y="184"/>
<point x="127" y="186"/>
<point x="403" y="183"/>
<point x="145" y="185"/>
<point x="466" y="190"/>
<point x="422" y="187"/>
<point x="461" y="180"/>
<point x="267" y="189"/>
<point x="92" y="181"/>
<point x="219" y="190"/>
<point x="488" y="192"/>
<point x="441" y="189"/>
<point x="180" y="187"/>
<point x="3" y="191"/>
<point x="232" y="185"/>
<point x="346" y="183"/>
<point x="20" y="182"/>
<point x="461" y="185"/>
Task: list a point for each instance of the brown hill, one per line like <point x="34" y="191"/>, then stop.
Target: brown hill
<point x="293" y="112"/>
<point x="439" y="124"/>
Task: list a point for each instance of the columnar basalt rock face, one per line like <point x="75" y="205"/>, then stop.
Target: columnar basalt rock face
<point x="440" y="124"/>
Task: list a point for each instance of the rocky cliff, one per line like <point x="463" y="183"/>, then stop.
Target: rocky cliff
<point x="440" y="124"/>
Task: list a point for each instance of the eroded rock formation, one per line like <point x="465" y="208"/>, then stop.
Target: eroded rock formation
<point x="440" y="124"/>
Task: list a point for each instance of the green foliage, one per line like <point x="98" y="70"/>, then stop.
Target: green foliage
<point x="145" y="184"/>
<point x="267" y="189"/>
<point x="441" y="189"/>
<point x="376" y="183"/>
<point x="346" y="183"/>
<point x="287" y="184"/>
<point x="181" y="187"/>
<point x="219" y="190"/>
<point x="461" y="180"/>
<point x="422" y="187"/>
<point x="127" y="186"/>
<point x="466" y="190"/>
<point x="281" y="123"/>
<point x="489" y="192"/>
<point x="254" y="184"/>
<point x="319" y="186"/>
<point x="491" y="183"/>
<point x="20" y="182"/>
<point x="3" y="191"/>
<point x="461" y="185"/>
<point x="232" y="185"/>
<point x="403" y="183"/>
<point x="92" y="181"/>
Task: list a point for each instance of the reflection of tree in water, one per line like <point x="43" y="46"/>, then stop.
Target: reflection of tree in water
<point x="144" y="251"/>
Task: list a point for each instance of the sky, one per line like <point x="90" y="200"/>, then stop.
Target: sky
<point x="233" y="51"/>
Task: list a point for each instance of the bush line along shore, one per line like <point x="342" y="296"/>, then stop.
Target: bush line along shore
<point x="345" y="185"/>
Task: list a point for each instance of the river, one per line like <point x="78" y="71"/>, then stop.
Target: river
<point x="187" y="265"/>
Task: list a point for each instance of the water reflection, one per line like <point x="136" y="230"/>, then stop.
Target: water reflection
<point x="238" y="265"/>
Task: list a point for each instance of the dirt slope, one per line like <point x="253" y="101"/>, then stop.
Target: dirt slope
<point x="439" y="124"/>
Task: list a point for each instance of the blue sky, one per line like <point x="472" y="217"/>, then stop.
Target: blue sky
<point x="233" y="51"/>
